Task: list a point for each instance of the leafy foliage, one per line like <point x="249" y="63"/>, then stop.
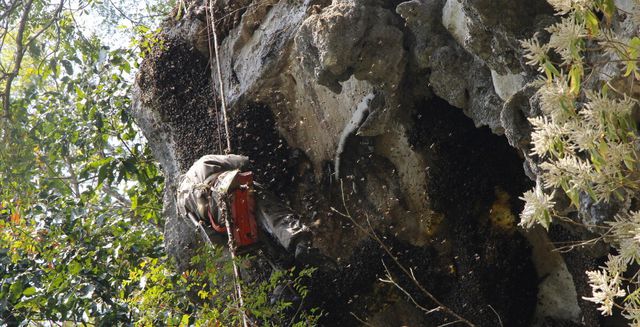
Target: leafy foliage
<point x="163" y="297"/>
<point x="80" y="194"/>
<point x="79" y="191"/>
<point x="586" y="139"/>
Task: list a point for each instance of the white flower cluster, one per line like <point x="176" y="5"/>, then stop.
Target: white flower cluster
<point x="535" y="53"/>
<point x="563" y="7"/>
<point x="589" y="147"/>
<point x="556" y="100"/>
<point x="625" y="232"/>
<point x="605" y="289"/>
<point x="607" y="283"/>
<point x="592" y="150"/>
<point x="566" y="37"/>
<point x="537" y="208"/>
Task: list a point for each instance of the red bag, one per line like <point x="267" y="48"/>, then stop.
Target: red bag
<point x="245" y="231"/>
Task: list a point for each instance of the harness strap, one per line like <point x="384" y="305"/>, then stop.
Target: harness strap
<point x="210" y="178"/>
<point x="218" y="228"/>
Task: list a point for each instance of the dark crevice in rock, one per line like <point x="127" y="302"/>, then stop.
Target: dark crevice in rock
<point x="469" y="162"/>
<point x="472" y="174"/>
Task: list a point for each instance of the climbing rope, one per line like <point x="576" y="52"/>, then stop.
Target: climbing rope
<point x="213" y="87"/>
<point x="211" y="31"/>
<point x="232" y="249"/>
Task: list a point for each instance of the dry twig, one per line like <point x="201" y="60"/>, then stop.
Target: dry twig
<point x="372" y="234"/>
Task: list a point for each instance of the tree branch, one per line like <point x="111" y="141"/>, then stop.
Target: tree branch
<point x="17" y="61"/>
<point x="123" y="14"/>
<point x="54" y="19"/>
<point x="119" y="197"/>
<point x="390" y="280"/>
<point x="72" y="176"/>
<point x="20" y="51"/>
<point x="9" y="10"/>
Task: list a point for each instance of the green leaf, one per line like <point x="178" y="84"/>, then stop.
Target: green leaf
<point x="605" y="89"/>
<point x="573" y="195"/>
<point x="184" y="321"/>
<point x="67" y="66"/>
<point x="629" y="162"/>
<point x="34" y="50"/>
<point x="609" y="9"/>
<point x="633" y="51"/>
<point x="15" y="291"/>
<point x="57" y="281"/>
<point x="29" y="291"/>
<point x="104" y="172"/>
<point x="575" y="79"/>
<point x="74" y="267"/>
<point x="79" y="93"/>
<point x="134" y="202"/>
<point x="53" y="66"/>
<point x="592" y="22"/>
<point x="550" y="70"/>
<point x="126" y="67"/>
<point x="100" y="162"/>
<point x="591" y="193"/>
<point x="618" y="195"/>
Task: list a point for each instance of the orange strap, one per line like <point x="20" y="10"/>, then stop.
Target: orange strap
<point x="216" y="227"/>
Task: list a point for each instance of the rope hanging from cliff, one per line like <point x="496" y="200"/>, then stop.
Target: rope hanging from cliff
<point x="211" y="28"/>
<point x="211" y="32"/>
<point x="213" y="87"/>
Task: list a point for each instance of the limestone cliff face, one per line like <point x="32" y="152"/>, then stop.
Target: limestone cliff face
<point x="411" y="115"/>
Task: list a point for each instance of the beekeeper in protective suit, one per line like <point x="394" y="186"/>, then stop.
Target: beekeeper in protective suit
<point x="197" y="197"/>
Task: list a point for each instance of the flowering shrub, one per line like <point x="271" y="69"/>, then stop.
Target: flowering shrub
<point x="586" y="140"/>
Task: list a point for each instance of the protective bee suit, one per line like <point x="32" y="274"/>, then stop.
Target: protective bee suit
<point x="196" y="195"/>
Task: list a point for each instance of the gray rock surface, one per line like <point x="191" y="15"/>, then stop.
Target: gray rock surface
<point x="557" y="297"/>
<point x="355" y="38"/>
<point x="357" y="87"/>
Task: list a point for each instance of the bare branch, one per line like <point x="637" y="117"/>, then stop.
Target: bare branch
<point x="123" y="14"/>
<point x="360" y="320"/>
<point x="371" y="233"/>
<point x="451" y="323"/>
<point x="497" y="315"/>
<point x="390" y="280"/>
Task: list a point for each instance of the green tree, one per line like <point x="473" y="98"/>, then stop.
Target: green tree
<point x="79" y="191"/>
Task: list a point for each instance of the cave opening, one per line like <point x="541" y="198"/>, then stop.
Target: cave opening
<point x="467" y="163"/>
<point x="474" y="180"/>
<point x="478" y="265"/>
